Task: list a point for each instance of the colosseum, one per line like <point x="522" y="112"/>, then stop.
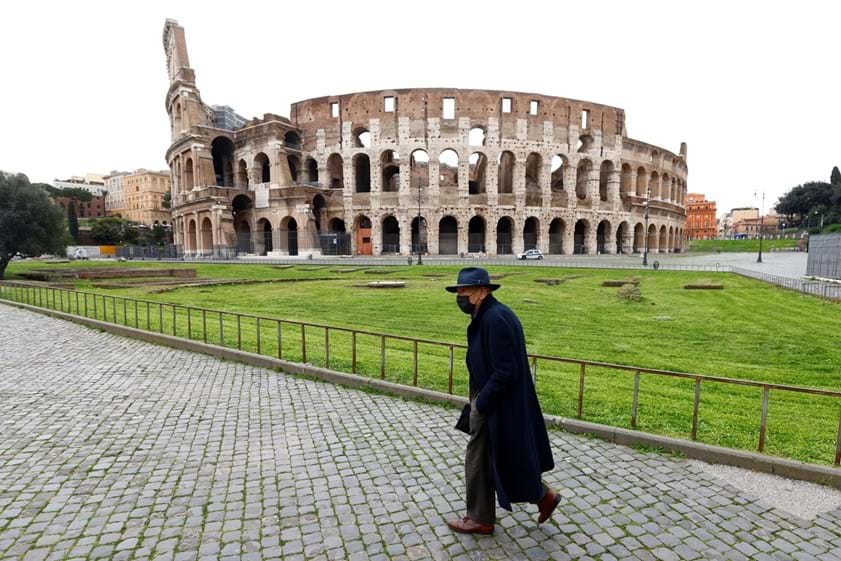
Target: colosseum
<point x="441" y="171"/>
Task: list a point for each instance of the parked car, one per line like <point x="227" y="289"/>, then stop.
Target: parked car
<point x="79" y="253"/>
<point x="530" y="254"/>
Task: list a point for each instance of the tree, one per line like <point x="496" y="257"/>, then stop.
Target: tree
<point x="30" y="222"/>
<point x="835" y="177"/>
<point x="72" y="221"/>
<point x="167" y="202"/>
<point x="108" y="231"/>
<point x="158" y="235"/>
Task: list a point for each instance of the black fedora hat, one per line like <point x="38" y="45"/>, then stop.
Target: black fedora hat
<point x="472" y="276"/>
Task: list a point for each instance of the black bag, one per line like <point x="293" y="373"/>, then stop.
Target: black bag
<point x="463" y="423"/>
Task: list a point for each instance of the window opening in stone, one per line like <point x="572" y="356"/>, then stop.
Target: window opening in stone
<point x="449" y="110"/>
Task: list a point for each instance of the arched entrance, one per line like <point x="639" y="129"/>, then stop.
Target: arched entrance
<point x="530" y="233"/>
<point x="448" y="236"/>
<point x="391" y="235"/>
<point x="289" y="235"/>
<point x="556" y="236"/>
<point x="363" y="236"/>
<point x="582" y="228"/>
<point x="207" y="236"/>
<point x="476" y="235"/>
<point x="419" y="243"/>
<point x="264" y="227"/>
<point x="504" y="227"/>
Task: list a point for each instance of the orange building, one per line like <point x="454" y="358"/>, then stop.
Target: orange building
<point x="700" y="217"/>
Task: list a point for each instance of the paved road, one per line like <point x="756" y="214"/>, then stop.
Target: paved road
<point x="117" y="449"/>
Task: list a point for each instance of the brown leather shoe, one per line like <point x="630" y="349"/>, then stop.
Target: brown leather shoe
<point x="468" y="526"/>
<point x="547" y="505"/>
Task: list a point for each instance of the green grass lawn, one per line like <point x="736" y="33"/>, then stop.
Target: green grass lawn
<point x="699" y="246"/>
<point x="749" y="330"/>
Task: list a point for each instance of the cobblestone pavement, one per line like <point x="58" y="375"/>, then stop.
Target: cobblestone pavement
<point x="117" y="449"/>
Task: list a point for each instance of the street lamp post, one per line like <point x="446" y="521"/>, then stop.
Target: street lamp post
<point x="761" y="219"/>
<point x="645" y="233"/>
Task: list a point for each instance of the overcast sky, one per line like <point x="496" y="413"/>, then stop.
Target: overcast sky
<point x="753" y="88"/>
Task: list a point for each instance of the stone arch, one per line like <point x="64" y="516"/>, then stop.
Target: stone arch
<point x="319" y="211"/>
<point x="557" y="231"/>
<point x="534" y="164"/>
<point x="639" y="238"/>
<point x="419" y="235"/>
<point x="312" y="171"/>
<point x="336" y="171"/>
<point x="263" y="168"/>
<point x="663" y="243"/>
<point x="390" y="162"/>
<point x="605" y="171"/>
<point x="242" y="174"/>
<point x="652" y="238"/>
<point x="288" y="235"/>
<point x="476" y="137"/>
<point x="581" y="237"/>
<point x="476" y="231"/>
<point x="654" y="185"/>
<point x="361" y="138"/>
<point x="582" y="175"/>
<point x="671" y="243"/>
<point x="448" y="235"/>
<point x="222" y="152"/>
<point x="207" y="235"/>
<point x="448" y="168"/>
<point x="294" y="163"/>
<point x="621" y="238"/>
<point x="505" y="236"/>
<point x="625" y="179"/>
<point x="531" y="233"/>
<point x="264" y="236"/>
<point x="603" y="237"/>
<point x="478" y="165"/>
<point x="362" y="171"/>
<point x="505" y="175"/>
<point x="188" y="174"/>
<point x="390" y="235"/>
<point x="585" y="142"/>
<point x="558" y="167"/>
<point x="362" y="227"/>
<point x="642" y="181"/>
<point x="292" y="139"/>
<point x="192" y="244"/>
<point x="665" y="187"/>
<point x="419" y="165"/>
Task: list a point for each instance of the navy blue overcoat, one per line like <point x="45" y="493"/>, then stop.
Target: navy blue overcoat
<point x="499" y="366"/>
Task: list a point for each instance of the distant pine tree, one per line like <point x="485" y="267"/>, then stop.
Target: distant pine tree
<point x="835" y="177"/>
<point x="72" y="221"/>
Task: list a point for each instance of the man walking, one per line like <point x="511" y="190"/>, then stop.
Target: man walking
<point x="508" y="448"/>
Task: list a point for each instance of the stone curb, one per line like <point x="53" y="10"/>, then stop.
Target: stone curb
<point x="793" y="469"/>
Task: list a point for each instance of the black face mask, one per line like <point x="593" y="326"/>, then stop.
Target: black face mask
<point x="465" y="305"/>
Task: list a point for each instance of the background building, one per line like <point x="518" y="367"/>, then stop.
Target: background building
<point x="226" y="118"/>
<point x="750" y="227"/>
<point x="94" y="208"/>
<point x="700" y="217"/>
<point x="92" y="183"/>
<point x="144" y="193"/>
<point x="115" y="201"/>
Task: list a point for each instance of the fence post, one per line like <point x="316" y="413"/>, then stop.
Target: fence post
<point x="382" y="357"/>
<point x="85" y="295"/>
<point x="204" y="325"/>
<point x="695" y="408"/>
<point x="221" y="331"/>
<point x="764" y="419"/>
<point x="450" y="373"/>
<point x="95" y="315"/>
<point x="125" y="312"/>
<point x="303" y="343"/>
<point x="415" y="371"/>
<point x="148" y="320"/>
<point x="353" y="352"/>
<point x="635" y="403"/>
<point x="279" y="340"/>
<point x="326" y="347"/>
<point x="838" y="444"/>
<point x="189" y="323"/>
<point x="581" y="390"/>
<point x="136" y="314"/>
<point x="160" y="318"/>
<point x="239" y="332"/>
<point x="174" y="322"/>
